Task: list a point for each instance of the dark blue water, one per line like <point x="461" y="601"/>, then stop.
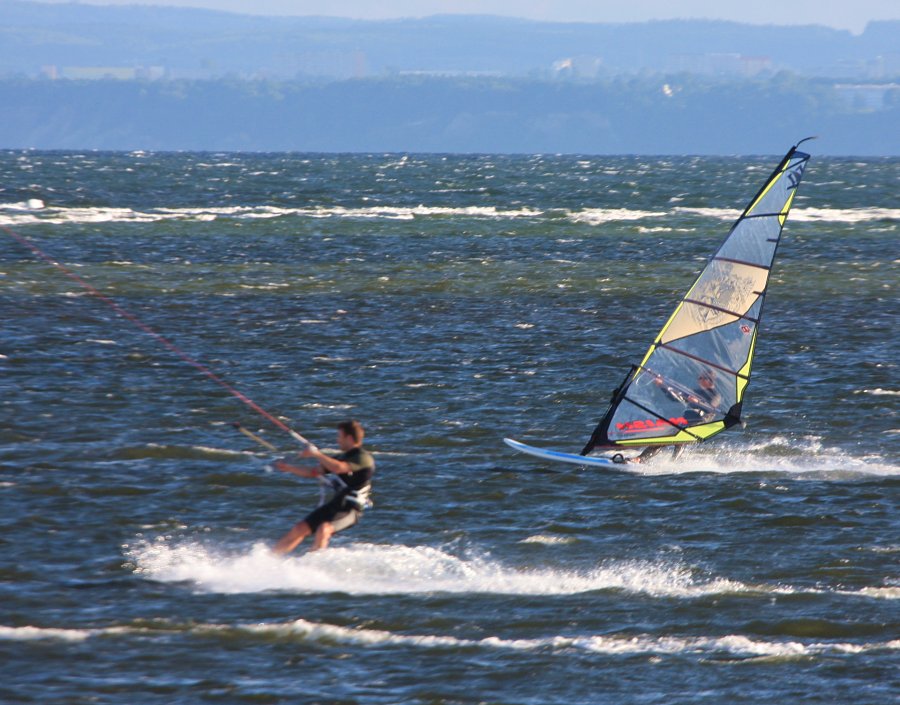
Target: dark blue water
<point x="446" y="302"/>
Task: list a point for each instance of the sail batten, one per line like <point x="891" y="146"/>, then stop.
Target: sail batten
<point x="706" y="304"/>
<point x="700" y="359"/>
<point x="691" y="382"/>
<point x="741" y="262"/>
<point x="779" y="214"/>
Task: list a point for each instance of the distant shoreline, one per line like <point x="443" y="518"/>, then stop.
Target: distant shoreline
<point x="460" y="115"/>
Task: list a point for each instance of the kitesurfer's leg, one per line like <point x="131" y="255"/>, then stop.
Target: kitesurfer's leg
<point x="329" y="527"/>
<point x="292" y="538"/>
<point x="323" y="535"/>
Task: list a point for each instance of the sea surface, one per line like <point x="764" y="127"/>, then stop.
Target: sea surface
<point x="446" y="302"/>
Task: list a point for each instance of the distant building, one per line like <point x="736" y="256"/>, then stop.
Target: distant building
<point x="452" y="74"/>
<point x="152" y="73"/>
<point x="868" y="97"/>
<point x="100" y="73"/>
<point x="330" y="64"/>
<point x="583" y="66"/>
<point x="755" y="65"/>
<point x="885" y="66"/>
<point x="720" y="64"/>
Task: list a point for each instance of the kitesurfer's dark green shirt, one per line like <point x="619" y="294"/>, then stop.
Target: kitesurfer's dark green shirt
<point x="362" y="466"/>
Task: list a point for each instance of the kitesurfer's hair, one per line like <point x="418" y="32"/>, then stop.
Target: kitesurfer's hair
<point x="352" y="428"/>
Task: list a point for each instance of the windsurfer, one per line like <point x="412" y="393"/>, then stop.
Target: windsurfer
<point x="701" y="401"/>
<point x="713" y="328"/>
<point x="349" y="473"/>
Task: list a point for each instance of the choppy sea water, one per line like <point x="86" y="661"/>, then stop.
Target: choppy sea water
<point x="447" y="302"/>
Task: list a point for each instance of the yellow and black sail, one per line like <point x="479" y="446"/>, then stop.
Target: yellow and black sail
<point x="691" y="383"/>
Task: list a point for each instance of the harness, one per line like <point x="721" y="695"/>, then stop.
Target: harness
<point x="358" y="499"/>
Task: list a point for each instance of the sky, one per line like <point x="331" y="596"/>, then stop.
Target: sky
<point x="841" y="14"/>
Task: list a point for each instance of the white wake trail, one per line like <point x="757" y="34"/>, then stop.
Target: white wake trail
<point x="372" y="569"/>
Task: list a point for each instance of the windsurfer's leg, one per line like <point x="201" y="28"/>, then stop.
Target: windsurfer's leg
<point x="292" y="538"/>
<point x="647" y="453"/>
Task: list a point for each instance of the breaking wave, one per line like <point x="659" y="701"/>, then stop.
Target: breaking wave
<point x="35" y="211"/>
<point x="729" y="646"/>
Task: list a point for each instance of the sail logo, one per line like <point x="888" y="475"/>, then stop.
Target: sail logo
<point x="725" y="291"/>
<point x="794" y="175"/>
<point x="645" y="425"/>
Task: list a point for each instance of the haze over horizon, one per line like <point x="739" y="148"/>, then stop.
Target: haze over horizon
<point x="831" y="13"/>
<point x="161" y="77"/>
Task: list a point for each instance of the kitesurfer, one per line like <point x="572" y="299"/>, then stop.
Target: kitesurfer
<point x="349" y="473"/>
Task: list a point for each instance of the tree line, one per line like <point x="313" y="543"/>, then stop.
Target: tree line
<point x="677" y="114"/>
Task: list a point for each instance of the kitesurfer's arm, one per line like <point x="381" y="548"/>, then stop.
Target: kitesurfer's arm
<point x="295" y="470"/>
<point x="326" y="462"/>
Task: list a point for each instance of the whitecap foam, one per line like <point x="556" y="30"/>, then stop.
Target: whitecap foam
<point x="732" y="645"/>
<point x="29" y="205"/>
<point x="35" y="211"/>
<point x="717" y="213"/>
<point x="37" y="633"/>
<point x="598" y="216"/>
<point x="21" y="214"/>
<point x="878" y="392"/>
<point x="156" y="450"/>
<point x="878" y="593"/>
<point x="549" y="540"/>
<point x="409" y="213"/>
<point x="818" y="215"/>
<point x="797" y="457"/>
<point x="100" y="341"/>
<point x="372" y="569"/>
<point x="844" y="215"/>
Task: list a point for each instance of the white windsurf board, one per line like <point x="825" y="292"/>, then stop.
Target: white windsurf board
<point x="560" y="457"/>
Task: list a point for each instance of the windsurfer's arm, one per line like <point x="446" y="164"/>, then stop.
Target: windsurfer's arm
<point x="670" y="392"/>
<point x="706" y="398"/>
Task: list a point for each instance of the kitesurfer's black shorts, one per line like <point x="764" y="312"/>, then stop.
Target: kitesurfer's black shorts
<point x="336" y="512"/>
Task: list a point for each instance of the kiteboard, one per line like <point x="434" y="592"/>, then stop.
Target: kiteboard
<point x="560" y="457"/>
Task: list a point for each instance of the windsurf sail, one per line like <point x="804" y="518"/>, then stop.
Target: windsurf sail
<point x="690" y="385"/>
